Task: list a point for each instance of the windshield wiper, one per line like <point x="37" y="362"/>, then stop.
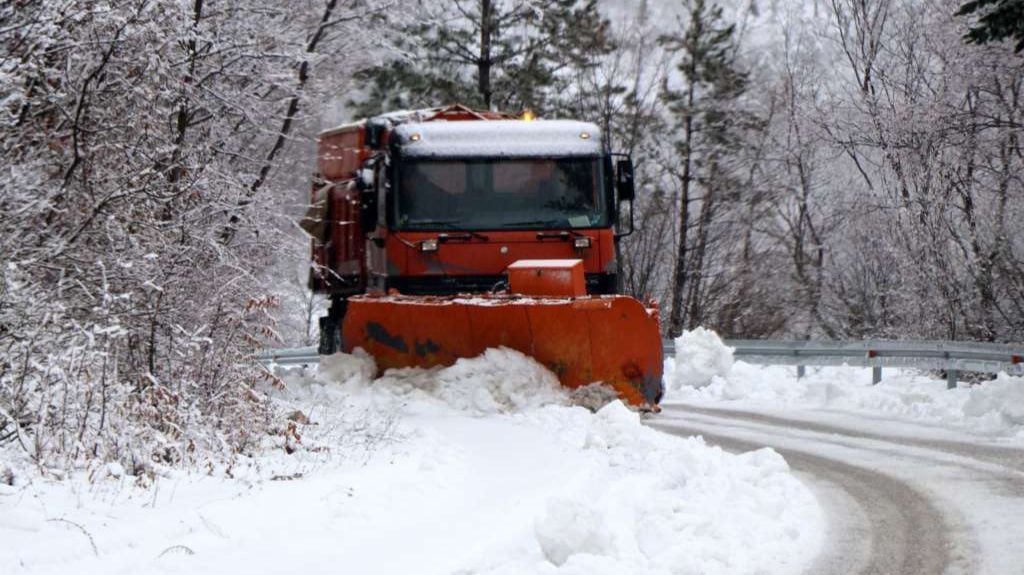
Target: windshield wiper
<point x="542" y="223"/>
<point x="448" y="225"/>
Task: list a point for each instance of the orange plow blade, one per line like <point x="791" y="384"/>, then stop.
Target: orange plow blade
<point x="614" y="340"/>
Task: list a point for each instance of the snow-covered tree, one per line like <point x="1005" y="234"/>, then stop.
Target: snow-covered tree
<point x="491" y="54"/>
<point x="708" y="123"/>
<point x="140" y="141"/>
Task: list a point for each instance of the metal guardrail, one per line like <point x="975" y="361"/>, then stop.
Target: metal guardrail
<point x="951" y="357"/>
<point x="293" y="356"/>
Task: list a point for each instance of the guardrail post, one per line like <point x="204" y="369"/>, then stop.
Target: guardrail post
<point x="951" y="378"/>
<point x="801" y="371"/>
<point x="876" y="375"/>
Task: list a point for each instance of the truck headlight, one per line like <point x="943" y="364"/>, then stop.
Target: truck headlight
<point x="581" y="243"/>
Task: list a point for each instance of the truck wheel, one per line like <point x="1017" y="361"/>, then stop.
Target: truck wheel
<point x="330" y="327"/>
<point x="328" y="337"/>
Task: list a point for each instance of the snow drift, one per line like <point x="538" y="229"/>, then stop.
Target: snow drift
<point x="704" y="374"/>
<point x="700" y="356"/>
<point x="484" y="467"/>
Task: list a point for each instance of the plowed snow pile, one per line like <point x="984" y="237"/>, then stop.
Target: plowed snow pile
<point x="482" y="467"/>
<point x="500" y="381"/>
<point x="700" y="372"/>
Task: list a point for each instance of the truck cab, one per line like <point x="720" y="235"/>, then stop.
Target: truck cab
<point x="459" y="202"/>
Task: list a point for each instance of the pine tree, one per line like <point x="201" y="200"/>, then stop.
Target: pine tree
<point x="707" y="124"/>
<point x="999" y="20"/>
<point x="492" y="54"/>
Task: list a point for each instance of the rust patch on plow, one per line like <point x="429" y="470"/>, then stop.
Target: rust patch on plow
<point x="378" y="333"/>
<point x="427" y="347"/>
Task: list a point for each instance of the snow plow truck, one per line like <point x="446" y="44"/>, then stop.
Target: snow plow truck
<point x="440" y="233"/>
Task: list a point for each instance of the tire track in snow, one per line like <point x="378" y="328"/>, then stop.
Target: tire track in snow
<point x="1008" y="457"/>
<point x="993" y="468"/>
<point x="879" y="521"/>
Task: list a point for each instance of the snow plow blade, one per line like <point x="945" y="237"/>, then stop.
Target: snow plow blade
<point x="610" y="339"/>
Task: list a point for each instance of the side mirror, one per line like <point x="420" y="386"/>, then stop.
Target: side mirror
<point x="366" y="183"/>
<point x="365" y="178"/>
<point x="367" y="211"/>
<point x="624" y="179"/>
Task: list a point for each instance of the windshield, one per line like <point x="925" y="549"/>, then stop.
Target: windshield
<point x="501" y="194"/>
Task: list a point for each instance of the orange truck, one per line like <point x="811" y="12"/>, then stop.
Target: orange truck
<point x="440" y="233"/>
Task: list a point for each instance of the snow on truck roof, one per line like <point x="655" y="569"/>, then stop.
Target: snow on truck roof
<point x="499" y="138"/>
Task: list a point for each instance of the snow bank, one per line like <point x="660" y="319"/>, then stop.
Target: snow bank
<point x="344" y="368"/>
<point x="656" y="503"/>
<point x="990" y="408"/>
<point x="488" y="470"/>
<point x="1000" y="401"/>
<point x="700" y="357"/>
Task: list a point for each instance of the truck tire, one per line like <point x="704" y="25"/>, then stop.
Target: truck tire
<point x="330" y="327"/>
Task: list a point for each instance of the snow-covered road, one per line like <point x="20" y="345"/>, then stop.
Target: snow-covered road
<point x="490" y="467"/>
<point x="899" y="497"/>
<point x="484" y="467"/>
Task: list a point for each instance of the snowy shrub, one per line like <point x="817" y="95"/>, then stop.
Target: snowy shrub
<point x="329" y="415"/>
<point x="700" y="356"/>
<point x="140" y="202"/>
<point x="6" y="475"/>
<point x="71" y="391"/>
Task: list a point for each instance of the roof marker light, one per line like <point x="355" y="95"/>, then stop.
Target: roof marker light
<point x="584" y="135"/>
<point x="415" y="138"/>
<point x="528" y="115"/>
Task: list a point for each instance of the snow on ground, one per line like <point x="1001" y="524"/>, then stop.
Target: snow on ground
<point x="483" y="467"/>
<point x="703" y="371"/>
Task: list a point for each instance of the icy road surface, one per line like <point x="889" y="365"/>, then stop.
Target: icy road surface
<point x="900" y="498"/>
